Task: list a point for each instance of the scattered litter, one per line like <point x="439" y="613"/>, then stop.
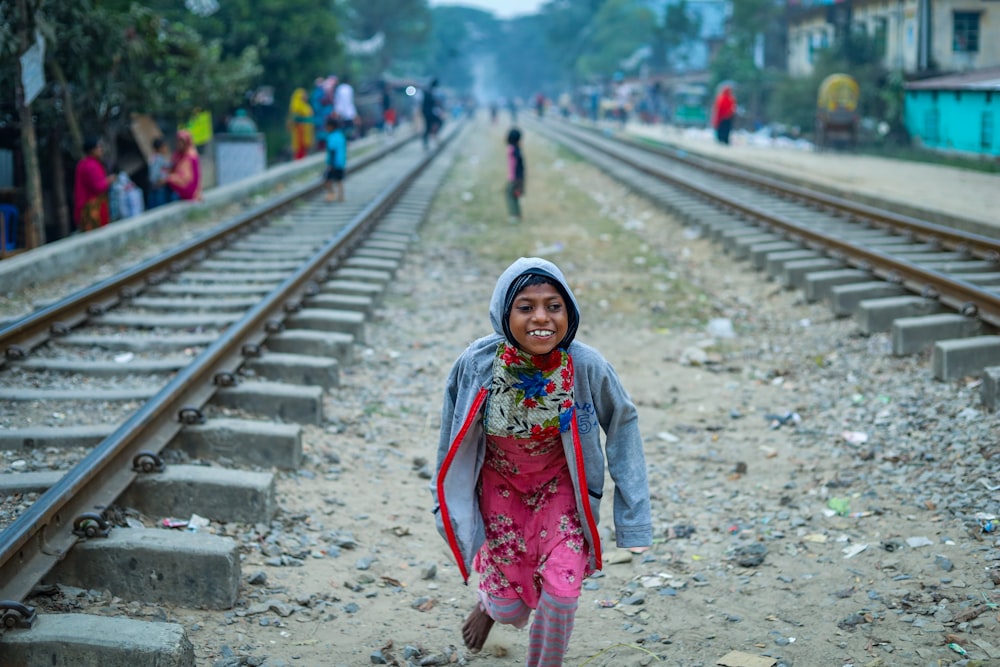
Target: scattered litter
<point x="607" y="604"/>
<point x="693" y="356"/>
<point x="750" y="555"/>
<point x="853" y="550"/>
<point x="957" y="649"/>
<point x="920" y="541"/>
<point x="680" y="531"/>
<point x="840" y="506"/>
<point x="657" y="580"/>
<point x="777" y="421"/>
<point x="741" y="659"/>
<point x="818" y="538"/>
<point x="194" y="523"/>
<point x="989" y="487"/>
<point x="124" y="357"/>
<point x="669" y="437"/>
<point x="721" y="327"/>
<point x="855" y="437"/>
<point x="618" y="556"/>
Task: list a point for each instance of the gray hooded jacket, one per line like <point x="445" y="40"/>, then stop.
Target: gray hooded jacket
<point x="601" y="404"/>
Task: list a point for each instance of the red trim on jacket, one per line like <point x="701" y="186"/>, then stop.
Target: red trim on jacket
<point x="445" y="465"/>
<point x="581" y="475"/>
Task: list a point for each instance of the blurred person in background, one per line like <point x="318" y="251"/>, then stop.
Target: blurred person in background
<point x="515" y="175"/>
<point x="159" y="170"/>
<point x="723" y="112"/>
<point x="185" y="171"/>
<point x="343" y="106"/>
<point x="241" y="123"/>
<point x="431" y="111"/>
<point x="336" y="160"/>
<point x="300" y="124"/>
<point x="90" y="188"/>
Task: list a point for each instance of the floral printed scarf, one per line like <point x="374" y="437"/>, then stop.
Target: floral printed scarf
<point x="531" y="396"/>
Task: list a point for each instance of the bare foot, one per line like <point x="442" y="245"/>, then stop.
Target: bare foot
<point x="476" y="628"/>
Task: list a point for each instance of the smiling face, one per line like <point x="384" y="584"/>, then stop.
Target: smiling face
<point x="539" y="319"/>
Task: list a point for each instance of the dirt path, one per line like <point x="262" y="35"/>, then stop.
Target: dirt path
<point x="813" y="498"/>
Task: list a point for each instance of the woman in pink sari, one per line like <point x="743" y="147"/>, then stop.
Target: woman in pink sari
<point x="90" y="189"/>
<point x="185" y="171"/>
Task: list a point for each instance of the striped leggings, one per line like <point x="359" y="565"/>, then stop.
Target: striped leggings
<point x="548" y="637"/>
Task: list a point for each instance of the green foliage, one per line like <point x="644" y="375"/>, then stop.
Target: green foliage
<point x="618" y="29"/>
<point x="117" y="62"/>
<point x="464" y="42"/>
<point x="405" y="26"/>
<point x="296" y="40"/>
<point x="679" y="28"/>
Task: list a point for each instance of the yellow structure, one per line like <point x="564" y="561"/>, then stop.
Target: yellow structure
<point x="836" y="112"/>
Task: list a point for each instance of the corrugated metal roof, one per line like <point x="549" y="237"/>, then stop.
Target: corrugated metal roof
<point x="983" y="79"/>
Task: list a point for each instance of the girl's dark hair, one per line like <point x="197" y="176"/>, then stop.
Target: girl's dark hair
<point x="513" y="136"/>
<point x="90" y="143"/>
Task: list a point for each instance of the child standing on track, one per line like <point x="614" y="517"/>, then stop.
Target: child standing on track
<point x="520" y="464"/>
<point x="336" y="160"/>
<point x="515" y="175"/>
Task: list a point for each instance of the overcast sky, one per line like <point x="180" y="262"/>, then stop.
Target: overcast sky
<point x="501" y="8"/>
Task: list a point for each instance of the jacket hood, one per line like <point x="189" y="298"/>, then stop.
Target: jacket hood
<point x="500" y="302"/>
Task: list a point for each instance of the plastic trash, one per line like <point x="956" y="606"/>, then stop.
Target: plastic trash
<point x="721" y="327"/>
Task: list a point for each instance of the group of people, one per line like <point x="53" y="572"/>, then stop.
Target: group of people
<point x="308" y="113"/>
<point x="172" y="176"/>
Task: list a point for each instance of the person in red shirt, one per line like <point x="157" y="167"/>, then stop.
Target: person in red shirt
<point x="723" y="112"/>
<point x="90" y="188"/>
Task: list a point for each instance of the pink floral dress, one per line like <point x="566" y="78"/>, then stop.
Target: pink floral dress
<point x="534" y="538"/>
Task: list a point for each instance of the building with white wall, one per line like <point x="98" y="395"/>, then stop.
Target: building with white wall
<point x="917" y="37"/>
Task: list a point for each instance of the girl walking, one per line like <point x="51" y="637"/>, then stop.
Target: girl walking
<point x="515" y="175"/>
<point x="520" y="463"/>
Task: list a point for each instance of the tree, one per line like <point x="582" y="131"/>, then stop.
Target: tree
<point x="464" y="49"/>
<point x="736" y="60"/>
<point x="23" y="22"/>
<point x="296" y="40"/>
<point x="618" y="30"/>
<point x="679" y="28"/>
<point x="103" y="64"/>
<point x="401" y="28"/>
<point x="569" y="26"/>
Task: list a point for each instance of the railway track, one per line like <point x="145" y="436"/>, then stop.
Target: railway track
<point x="934" y="288"/>
<point x="307" y="585"/>
<point x="217" y="350"/>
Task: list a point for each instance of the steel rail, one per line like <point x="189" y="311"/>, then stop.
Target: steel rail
<point x="976" y="245"/>
<point x="18" y="338"/>
<point x="34" y="542"/>
<point x="965" y="297"/>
